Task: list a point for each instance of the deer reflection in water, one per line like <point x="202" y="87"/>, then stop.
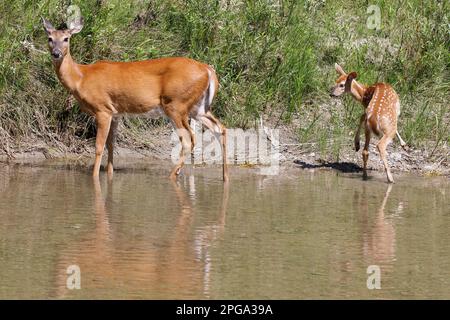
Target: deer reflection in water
<point x="379" y="234"/>
<point x="376" y="229"/>
<point x="178" y="269"/>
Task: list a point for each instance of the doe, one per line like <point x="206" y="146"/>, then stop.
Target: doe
<point x="381" y="110"/>
<point x="177" y="87"/>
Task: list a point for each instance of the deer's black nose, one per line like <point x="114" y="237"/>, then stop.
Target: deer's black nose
<point x="56" y="54"/>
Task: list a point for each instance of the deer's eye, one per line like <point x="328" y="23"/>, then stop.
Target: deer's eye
<point x="341" y="85"/>
<point x="66" y="39"/>
<point x="50" y="40"/>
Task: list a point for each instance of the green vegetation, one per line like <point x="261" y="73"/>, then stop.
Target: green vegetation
<point x="274" y="58"/>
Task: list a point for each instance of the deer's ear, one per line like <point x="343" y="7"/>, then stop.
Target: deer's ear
<point x="76" y="26"/>
<point x="48" y="27"/>
<point x="348" y="82"/>
<point x="339" y="69"/>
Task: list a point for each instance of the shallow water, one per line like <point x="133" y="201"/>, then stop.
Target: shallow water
<point x="301" y="234"/>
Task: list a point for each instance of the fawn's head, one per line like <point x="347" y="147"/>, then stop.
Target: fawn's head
<point x="58" y="40"/>
<point x="343" y="82"/>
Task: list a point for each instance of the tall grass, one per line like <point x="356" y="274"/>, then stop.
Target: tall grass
<point x="274" y="59"/>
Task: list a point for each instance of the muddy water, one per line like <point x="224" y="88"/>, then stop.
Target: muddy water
<point x="302" y="234"/>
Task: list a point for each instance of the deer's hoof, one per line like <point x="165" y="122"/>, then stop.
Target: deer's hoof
<point x="175" y="173"/>
<point x="357" y="146"/>
<point x="390" y="178"/>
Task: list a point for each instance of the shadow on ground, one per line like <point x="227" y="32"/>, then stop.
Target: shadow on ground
<point x="346" y="167"/>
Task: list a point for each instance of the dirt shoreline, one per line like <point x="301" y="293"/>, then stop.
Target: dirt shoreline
<point x="291" y="156"/>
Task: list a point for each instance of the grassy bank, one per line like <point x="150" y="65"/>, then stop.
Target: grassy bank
<point x="274" y="58"/>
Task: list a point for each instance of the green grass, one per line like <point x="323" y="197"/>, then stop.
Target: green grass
<point x="273" y="58"/>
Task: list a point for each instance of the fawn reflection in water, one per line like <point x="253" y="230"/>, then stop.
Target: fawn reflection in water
<point x="379" y="236"/>
<point x="374" y="239"/>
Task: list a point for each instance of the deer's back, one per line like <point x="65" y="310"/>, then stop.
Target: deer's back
<point x="382" y="108"/>
<point x="139" y="86"/>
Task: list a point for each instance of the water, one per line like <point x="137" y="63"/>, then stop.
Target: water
<point x="302" y="234"/>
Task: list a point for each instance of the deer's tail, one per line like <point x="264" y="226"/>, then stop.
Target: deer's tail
<point x="211" y="90"/>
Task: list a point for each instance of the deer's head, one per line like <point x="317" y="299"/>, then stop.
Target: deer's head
<point x="343" y="82"/>
<point x="59" y="40"/>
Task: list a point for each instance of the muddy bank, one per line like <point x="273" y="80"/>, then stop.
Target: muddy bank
<point x="158" y="145"/>
<point x="412" y="161"/>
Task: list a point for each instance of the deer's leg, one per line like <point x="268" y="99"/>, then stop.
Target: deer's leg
<point x="110" y="141"/>
<point x="191" y="132"/>
<point x="381" y="146"/>
<point x="192" y="135"/>
<point x="185" y="138"/>
<point x="103" y="121"/>
<point x="216" y="127"/>
<point x="358" y="132"/>
<point x="365" y="152"/>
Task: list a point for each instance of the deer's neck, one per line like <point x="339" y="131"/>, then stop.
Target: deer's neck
<point x="358" y="90"/>
<point x="68" y="72"/>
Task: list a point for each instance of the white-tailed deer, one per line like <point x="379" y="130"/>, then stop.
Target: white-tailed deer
<point x="382" y="107"/>
<point x="177" y="87"/>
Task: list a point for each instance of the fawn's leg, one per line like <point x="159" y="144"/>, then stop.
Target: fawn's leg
<point x="358" y="132"/>
<point x="381" y="146"/>
<point x="365" y="152"/>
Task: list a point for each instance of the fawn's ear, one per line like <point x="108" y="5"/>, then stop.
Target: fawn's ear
<point x="339" y="69"/>
<point x="348" y="82"/>
<point x="47" y="26"/>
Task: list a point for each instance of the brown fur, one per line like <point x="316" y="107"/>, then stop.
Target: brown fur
<point x="382" y="106"/>
<point x="368" y="94"/>
<point x="106" y="89"/>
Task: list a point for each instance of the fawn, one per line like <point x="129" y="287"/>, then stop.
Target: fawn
<point x="382" y="108"/>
